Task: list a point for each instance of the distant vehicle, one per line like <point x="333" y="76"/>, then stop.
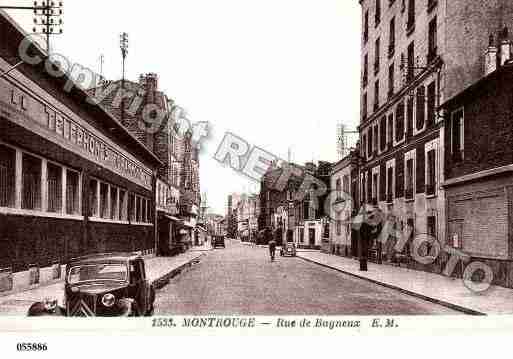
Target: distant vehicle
<point x="288" y="249"/>
<point x="111" y="284"/>
<point x="218" y="241"/>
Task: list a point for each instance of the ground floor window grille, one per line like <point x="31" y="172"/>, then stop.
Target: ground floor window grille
<point x="7" y="176"/>
<point x="104" y="200"/>
<point x="72" y="192"/>
<point x="31" y="182"/>
<point x="54" y="188"/>
<point x="93" y="197"/>
<point x="123" y="205"/>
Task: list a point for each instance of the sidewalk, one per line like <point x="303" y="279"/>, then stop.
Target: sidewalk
<point x="159" y="270"/>
<point x="450" y="292"/>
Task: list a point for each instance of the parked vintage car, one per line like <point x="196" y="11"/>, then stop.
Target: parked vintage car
<point x="218" y="241"/>
<point x="288" y="249"/>
<point x="111" y="284"/>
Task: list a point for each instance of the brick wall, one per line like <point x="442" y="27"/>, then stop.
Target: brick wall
<point x="488" y="127"/>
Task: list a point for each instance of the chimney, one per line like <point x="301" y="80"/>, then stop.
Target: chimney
<point x="490" y="57"/>
<point x="150" y="84"/>
<point x="505" y="44"/>
<point x="310" y="167"/>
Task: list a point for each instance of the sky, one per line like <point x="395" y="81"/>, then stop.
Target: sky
<point x="281" y="74"/>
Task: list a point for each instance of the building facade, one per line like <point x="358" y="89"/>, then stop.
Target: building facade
<point x="479" y="168"/>
<point x="178" y="177"/>
<point x="342" y="197"/>
<point x="414" y="57"/>
<point x="73" y="180"/>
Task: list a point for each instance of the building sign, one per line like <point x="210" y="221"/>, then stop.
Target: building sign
<point x="85" y="142"/>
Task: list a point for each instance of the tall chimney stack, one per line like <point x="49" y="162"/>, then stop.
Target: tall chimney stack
<point x="505" y="45"/>
<point x="491" y="57"/>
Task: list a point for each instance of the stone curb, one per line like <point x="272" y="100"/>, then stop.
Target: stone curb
<point x="164" y="279"/>
<point x="402" y="290"/>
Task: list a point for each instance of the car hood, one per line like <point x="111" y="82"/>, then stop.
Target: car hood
<point x="95" y="288"/>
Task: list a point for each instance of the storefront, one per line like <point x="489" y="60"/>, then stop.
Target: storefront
<point x="73" y="181"/>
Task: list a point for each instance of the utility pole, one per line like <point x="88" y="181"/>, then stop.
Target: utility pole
<point x="123" y="45"/>
<point x="47" y="15"/>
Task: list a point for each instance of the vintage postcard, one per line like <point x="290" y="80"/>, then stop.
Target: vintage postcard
<point x="268" y="167"/>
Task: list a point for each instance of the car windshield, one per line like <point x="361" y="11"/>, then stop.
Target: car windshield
<point x="95" y="272"/>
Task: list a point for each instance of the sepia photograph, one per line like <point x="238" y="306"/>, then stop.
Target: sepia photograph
<point x="282" y="166"/>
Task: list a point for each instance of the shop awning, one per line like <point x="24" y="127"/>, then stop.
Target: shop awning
<point x="172" y="218"/>
<point x="184" y="224"/>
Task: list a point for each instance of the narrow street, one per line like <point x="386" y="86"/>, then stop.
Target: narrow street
<point x="241" y="280"/>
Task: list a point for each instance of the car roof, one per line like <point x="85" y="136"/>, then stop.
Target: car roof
<point x="106" y="257"/>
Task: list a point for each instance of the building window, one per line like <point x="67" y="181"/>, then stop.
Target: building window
<point x="431" y="172"/>
<point x="431" y="104"/>
<point x="432" y="41"/>
<point x="409" y="118"/>
<point x="410" y="71"/>
<point x="54" y="188"/>
<point x="370" y="143"/>
<point x="364" y="107"/>
<point x="93" y="197"/>
<point x="383" y="133"/>
<point x="391" y="80"/>
<point x="390" y="129"/>
<point x="409" y="185"/>
<point x="138" y="209"/>
<point x="301" y="235"/>
<point x="123" y="205"/>
<point x="376" y="56"/>
<point x="410" y="23"/>
<point x="457" y="126"/>
<point x="391" y="38"/>
<point x="72" y="192"/>
<point x="431" y="226"/>
<point x="376" y="95"/>
<point x="345" y="184"/>
<point x="390" y="184"/>
<point x="114" y="212"/>
<point x="421" y="107"/>
<point x="31" y="183"/>
<point x="399" y="122"/>
<point x="366" y="27"/>
<point x="338" y="223"/>
<point x="376" y="138"/>
<point x="377" y="14"/>
<point x="365" y="70"/>
<point x="7" y="176"/>
<point x="338" y="189"/>
<point x="375" y="188"/>
<point x="104" y="200"/>
<point x="364" y="146"/>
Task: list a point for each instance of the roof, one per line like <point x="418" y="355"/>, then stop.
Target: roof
<point x="494" y="76"/>
<point x="106" y="257"/>
<point x="77" y="93"/>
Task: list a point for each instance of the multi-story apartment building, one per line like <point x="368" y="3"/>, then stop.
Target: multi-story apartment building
<point x="177" y="192"/>
<point x="415" y="55"/>
<point x="342" y="198"/>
